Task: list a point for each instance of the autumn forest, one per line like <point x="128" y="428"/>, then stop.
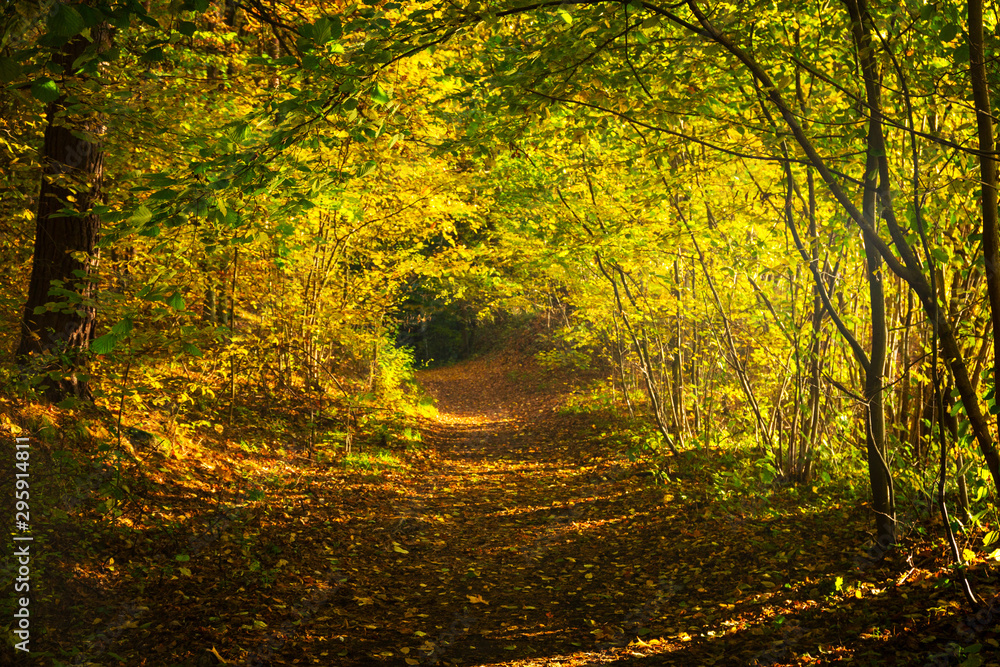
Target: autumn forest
<point x="499" y="332"/>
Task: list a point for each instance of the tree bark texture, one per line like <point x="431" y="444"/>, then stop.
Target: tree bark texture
<point x="66" y="233"/>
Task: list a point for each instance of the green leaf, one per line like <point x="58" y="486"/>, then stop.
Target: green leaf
<point x="147" y="19"/>
<point x="122" y="328"/>
<point x="336" y="29"/>
<point x="104" y="344"/>
<point x="9" y="70"/>
<point x="66" y="21"/>
<point x="324" y="30"/>
<point x="380" y="96"/>
<point x="186" y="28"/>
<point x="175" y="301"/>
<point x="141" y="216"/>
<point x="153" y="55"/>
<point x="948" y="32"/>
<point x="974" y="660"/>
<point x="163" y="195"/>
<point x="91" y="16"/>
<point x="183" y="558"/>
<point x="45" y="90"/>
<point x="193" y="350"/>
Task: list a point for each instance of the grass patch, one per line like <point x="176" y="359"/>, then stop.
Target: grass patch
<point x="379" y="459"/>
<point x="423" y="407"/>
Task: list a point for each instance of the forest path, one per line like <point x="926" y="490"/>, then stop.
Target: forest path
<point x="526" y="538"/>
<point x="518" y="534"/>
<point x="535" y="506"/>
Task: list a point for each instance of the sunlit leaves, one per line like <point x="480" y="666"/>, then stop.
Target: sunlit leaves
<point x="379" y="95"/>
<point x="175" y="301"/>
<point x="44" y="89"/>
<point x="108" y="342"/>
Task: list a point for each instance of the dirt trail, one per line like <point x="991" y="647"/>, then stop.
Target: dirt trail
<point x="530" y="542"/>
<point x="534" y="506"/>
<point x="518" y="535"/>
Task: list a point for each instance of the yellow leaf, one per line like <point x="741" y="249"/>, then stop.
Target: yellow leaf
<point x="476" y="599"/>
<point x="412" y="661"/>
<point x="400" y="550"/>
<point x="969" y="555"/>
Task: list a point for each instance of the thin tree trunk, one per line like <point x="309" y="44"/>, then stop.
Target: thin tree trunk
<point x="909" y="267"/>
<point x="987" y="171"/>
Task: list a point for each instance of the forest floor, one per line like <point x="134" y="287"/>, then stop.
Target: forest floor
<point x="518" y="534"/>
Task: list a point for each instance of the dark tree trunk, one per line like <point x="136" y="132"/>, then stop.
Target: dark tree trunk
<point x="65" y="256"/>
<point x="883" y="501"/>
<point x="987" y="171"/>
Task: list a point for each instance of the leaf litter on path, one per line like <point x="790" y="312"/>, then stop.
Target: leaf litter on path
<point x="520" y="536"/>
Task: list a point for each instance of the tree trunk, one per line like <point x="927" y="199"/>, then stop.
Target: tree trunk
<point x="54" y="336"/>
<point x="987" y="171"/>
<point x="883" y="502"/>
